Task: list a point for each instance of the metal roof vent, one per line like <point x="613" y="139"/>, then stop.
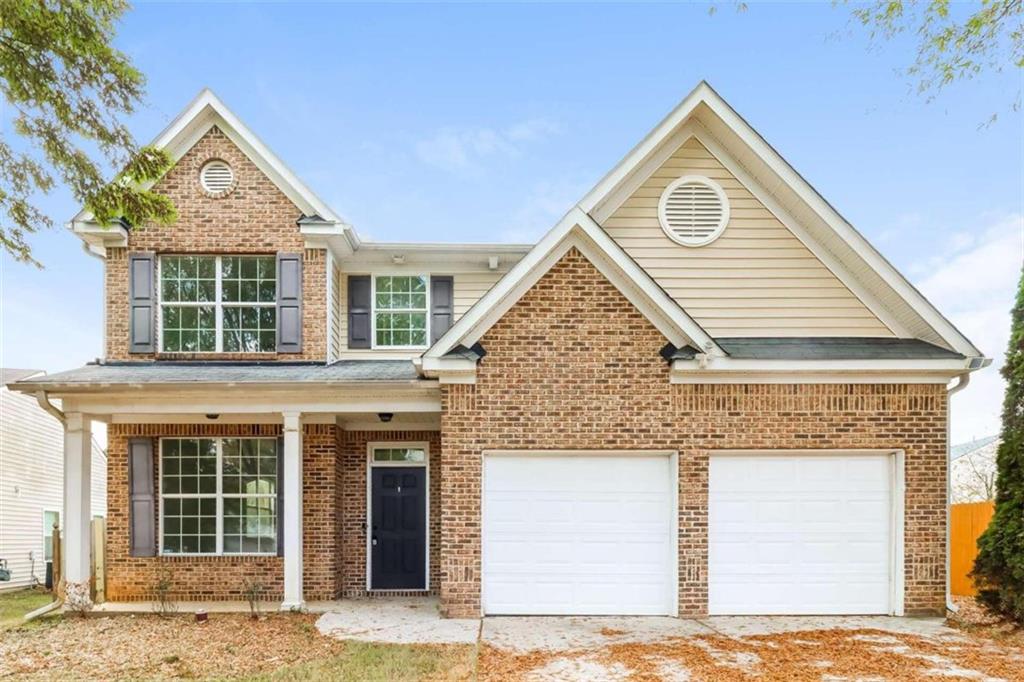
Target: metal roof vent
<point x="217" y="178"/>
<point x="693" y="210"/>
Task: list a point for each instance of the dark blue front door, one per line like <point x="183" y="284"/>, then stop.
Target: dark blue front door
<point x="398" y="528"/>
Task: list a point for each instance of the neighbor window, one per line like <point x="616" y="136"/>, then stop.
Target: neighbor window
<point x="50" y="519"/>
<point x="212" y="304"/>
<point x="218" y="495"/>
<point x="400" y="311"/>
<point x="413" y="455"/>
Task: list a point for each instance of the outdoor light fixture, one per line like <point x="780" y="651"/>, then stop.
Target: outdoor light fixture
<point x="212" y="416"/>
<point x="385" y="416"/>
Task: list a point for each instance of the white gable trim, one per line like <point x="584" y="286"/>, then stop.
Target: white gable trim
<point x="577" y="230"/>
<point x="206" y="111"/>
<point x="642" y="157"/>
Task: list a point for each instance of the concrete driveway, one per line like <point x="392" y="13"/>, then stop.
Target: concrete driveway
<point x="723" y="649"/>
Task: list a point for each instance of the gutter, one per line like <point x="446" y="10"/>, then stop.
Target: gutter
<point x="964" y="380"/>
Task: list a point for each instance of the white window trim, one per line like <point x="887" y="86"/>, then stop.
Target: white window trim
<point x="373" y="309"/>
<point x="219" y="496"/>
<point x="217" y="303"/>
<point x="370" y="465"/>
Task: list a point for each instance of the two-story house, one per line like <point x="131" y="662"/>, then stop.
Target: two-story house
<point x="702" y="391"/>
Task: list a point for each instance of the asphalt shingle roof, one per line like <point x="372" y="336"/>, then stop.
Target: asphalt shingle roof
<point x="343" y="371"/>
<point x="845" y="348"/>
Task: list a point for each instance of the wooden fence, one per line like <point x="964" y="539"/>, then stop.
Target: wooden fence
<point x="967" y="521"/>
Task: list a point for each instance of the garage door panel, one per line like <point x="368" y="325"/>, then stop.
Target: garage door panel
<point x="804" y="534"/>
<point x="578" y="535"/>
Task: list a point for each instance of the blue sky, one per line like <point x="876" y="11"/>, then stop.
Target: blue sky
<point x="486" y="123"/>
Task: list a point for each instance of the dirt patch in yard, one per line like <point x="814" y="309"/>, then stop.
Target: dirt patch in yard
<point x="797" y="656"/>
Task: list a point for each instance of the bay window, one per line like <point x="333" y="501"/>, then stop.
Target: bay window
<point x="212" y="304"/>
<point x="400" y="311"/>
<point x="218" y="495"/>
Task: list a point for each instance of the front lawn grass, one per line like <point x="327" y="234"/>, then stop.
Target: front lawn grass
<point x="384" y="662"/>
<point x="14" y="604"/>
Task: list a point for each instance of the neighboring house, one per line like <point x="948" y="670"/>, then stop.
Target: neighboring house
<point x="31" y="489"/>
<point x="701" y="392"/>
<point x="973" y="470"/>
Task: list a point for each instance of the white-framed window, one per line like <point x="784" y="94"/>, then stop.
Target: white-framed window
<point x="397" y="454"/>
<point x="50" y="519"/>
<point x="218" y="304"/>
<point x="218" y="495"/>
<point x="401" y="311"/>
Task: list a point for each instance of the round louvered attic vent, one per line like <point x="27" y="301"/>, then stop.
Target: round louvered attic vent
<point x="216" y="177"/>
<point x="693" y="210"/>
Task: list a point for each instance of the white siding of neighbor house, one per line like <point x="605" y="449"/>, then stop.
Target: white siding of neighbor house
<point x="31" y="482"/>
<point x="757" y="279"/>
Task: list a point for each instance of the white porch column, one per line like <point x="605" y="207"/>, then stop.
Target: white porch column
<point x="292" y="511"/>
<point x="77" y="510"/>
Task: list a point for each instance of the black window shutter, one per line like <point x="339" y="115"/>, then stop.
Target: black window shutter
<point x="142" y="501"/>
<point x="289" y="303"/>
<point x="359" y="311"/>
<point x="442" y="305"/>
<point x="142" y="302"/>
<point x="280" y="496"/>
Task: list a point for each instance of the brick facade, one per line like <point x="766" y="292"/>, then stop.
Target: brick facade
<point x="334" y="510"/>
<point x="221" y="577"/>
<point x="255" y="217"/>
<point x="574" y="365"/>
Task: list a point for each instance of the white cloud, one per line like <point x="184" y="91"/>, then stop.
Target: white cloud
<point x="974" y="285"/>
<point x="466" y="149"/>
<point x="543" y="206"/>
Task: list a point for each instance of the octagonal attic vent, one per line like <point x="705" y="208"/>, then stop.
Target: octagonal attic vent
<point x="216" y="177"/>
<point x="693" y="210"/>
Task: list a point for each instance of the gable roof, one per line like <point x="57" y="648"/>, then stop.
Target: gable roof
<point x="204" y="112"/>
<point x="963" y="449"/>
<point x="795" y="202"/>
<point x="576" y="229"/>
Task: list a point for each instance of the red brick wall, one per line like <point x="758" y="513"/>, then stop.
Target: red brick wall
<point x="253" y="218"/>
<point x="574" y="365"/>
<point x="352" y="466"/>
<point x="221" y="577"/>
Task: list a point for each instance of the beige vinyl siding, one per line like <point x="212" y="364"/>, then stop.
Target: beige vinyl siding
<point x="468" y="288"/>
<point x="31" y="472"/>
<point x="337" y="320"/>
<point x="757" y="279"/>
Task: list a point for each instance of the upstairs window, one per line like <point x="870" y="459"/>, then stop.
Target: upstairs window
<point x="214" y="304"/>
<point x="400" y="311"/>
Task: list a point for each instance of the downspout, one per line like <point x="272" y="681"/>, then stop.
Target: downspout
<point x="964" y="379"/>
<point x="58" y="594"/>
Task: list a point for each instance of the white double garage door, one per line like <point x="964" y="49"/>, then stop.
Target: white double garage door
<point x="597" y="533"/>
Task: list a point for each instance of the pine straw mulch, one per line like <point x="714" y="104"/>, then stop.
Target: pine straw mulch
<point x="151" y="647"/>
<point x="795" y="656"/>
<point x="973" y="618"/>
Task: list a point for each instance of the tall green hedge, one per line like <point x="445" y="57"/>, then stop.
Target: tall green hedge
<point x="999" y="568"/>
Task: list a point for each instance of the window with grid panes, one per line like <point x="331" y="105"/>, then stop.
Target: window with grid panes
<point x="218" y="304"/>
<point x="218" y="495"/>
<point x="400" y="311"/>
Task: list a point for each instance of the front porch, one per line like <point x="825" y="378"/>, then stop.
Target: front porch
<point x="213" y="493"/>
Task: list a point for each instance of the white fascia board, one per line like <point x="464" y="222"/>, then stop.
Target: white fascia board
<point x="192" y="402"/>
<point x="740" y="371"/>
<point x="576" y="229"/>
<point x="446" y="247"/>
